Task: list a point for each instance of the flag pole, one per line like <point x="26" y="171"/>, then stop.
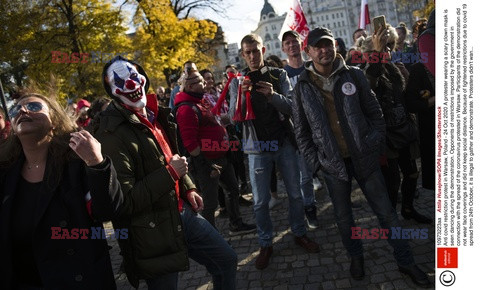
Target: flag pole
<point x="4" y="102"/>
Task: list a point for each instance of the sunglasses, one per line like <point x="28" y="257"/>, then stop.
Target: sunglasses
<point x="31" y="107"/>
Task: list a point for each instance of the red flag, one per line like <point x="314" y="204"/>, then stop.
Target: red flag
<point x="364" y="15"/>
<point x="296" y="21"/>
<point x="217" y="109"/>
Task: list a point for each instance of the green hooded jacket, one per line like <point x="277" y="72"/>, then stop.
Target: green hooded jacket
<point x="156" y="243"/>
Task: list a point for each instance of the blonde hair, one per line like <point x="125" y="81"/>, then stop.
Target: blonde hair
<point x="366" y="44"/>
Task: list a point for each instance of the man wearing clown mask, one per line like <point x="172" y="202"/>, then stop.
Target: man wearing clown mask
<point x="127" y="84"/>
<point x="160" y="201"/>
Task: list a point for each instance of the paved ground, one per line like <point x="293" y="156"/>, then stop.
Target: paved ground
<point x="292" y="267"/>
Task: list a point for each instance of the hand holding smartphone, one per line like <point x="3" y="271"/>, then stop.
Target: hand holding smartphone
<point x="379" y="22"/>
<point x="380" y="35"/>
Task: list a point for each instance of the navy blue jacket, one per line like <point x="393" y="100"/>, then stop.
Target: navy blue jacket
<point x="360" y="117"/>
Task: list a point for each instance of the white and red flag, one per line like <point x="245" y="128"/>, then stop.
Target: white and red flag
<point x="364" y="15"/>
<point x="296" y="21"/>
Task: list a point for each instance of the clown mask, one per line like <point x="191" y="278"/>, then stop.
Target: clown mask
<point x="127" y="84"/>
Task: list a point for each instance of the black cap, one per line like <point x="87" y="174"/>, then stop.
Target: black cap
<point x="291" y="33"/>
<point x="318" y="34"/>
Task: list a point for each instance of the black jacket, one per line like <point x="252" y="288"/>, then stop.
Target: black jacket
<point x="360" y="118"/>
<point x="64" y="263"/>
<point x="271" y="117"/>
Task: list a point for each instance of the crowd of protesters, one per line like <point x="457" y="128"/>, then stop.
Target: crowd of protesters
<point x="326" y="113"/>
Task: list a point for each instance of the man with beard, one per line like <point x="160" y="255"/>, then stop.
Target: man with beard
<point x="341" y="132"/>
<point x="160" y="201"/>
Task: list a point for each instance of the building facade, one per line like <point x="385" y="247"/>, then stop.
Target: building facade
<point x="340" y="16"/>
<point x="269" y="28"/>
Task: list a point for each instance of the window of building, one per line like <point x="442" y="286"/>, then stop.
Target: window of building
<point x="274" y="27"/>
<point x="326" y="17"/>
<point x="334" y="24"/>
<point x="277" y="45"/>
<point x="343" y="22"/>
<point x="321" y="17"/>
<point x="341" y="14"/>
<point x="333" y="16"/>
<point x="268" y="46"/>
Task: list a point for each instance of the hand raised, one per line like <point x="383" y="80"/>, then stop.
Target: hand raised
<point x="86" y="147"/>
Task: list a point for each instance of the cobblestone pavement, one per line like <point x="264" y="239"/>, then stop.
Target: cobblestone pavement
<point x="291" y="267"/>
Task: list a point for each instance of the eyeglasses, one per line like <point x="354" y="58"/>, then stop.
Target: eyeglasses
<point x="31" y="107"/>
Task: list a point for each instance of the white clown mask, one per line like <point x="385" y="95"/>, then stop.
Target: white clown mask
<point x="127" y="84"/>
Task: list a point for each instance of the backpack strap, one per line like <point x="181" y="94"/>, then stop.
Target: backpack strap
<point x="191" y="105"/>
<point x="181" y="148"/>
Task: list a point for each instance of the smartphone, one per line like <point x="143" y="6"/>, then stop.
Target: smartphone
<point x="378" y="22"/>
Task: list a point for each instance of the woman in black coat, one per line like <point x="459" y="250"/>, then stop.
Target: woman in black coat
<point x="420" y="99"/>
<point x="56" y="189"/>
<point x="388" y="83"/>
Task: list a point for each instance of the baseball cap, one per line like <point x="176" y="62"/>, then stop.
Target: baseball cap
<point x="82" y="103"/>
<point x="318" y="34"/>
<point x="291" y="33"/>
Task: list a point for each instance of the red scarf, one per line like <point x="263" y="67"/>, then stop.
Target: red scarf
<point x="161" y="137"/>
<point x="216" y="110"/>
<point x="238" y="116"/>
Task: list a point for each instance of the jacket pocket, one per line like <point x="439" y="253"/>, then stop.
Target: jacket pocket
<point x="154" y="235"/>
<point x="371" y="140"/>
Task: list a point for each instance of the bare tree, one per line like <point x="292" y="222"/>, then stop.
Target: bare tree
<point x="183" y="8"/>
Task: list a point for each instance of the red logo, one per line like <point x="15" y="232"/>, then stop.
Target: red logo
<point x="447" y="257"/>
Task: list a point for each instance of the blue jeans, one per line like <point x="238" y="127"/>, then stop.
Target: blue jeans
<point x="260" y="168"/>
<point x="306" y="182"/>
<point x="207" y="247"/>
<point x="374" y="189"/>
